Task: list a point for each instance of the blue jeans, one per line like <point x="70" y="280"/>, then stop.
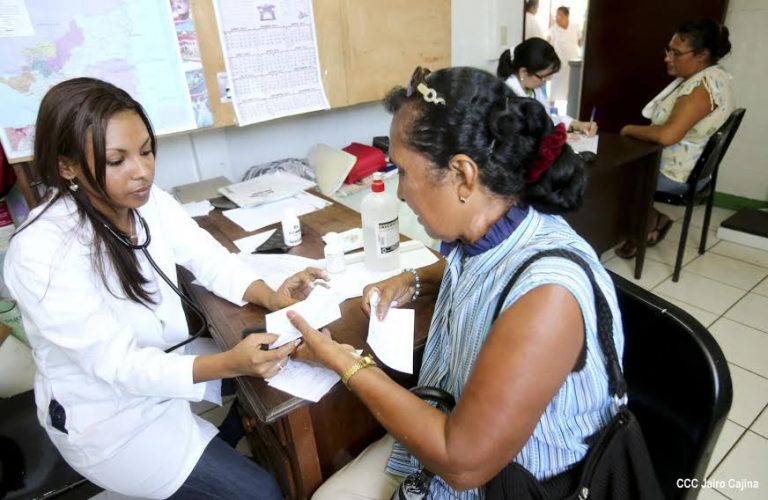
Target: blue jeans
<point x="667" y="185"/>
<point x="222" y="472"/>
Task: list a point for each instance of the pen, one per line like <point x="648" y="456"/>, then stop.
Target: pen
<point x="592" y="116"/>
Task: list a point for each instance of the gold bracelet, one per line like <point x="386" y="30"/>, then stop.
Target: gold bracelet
<point x="363" y="362"/>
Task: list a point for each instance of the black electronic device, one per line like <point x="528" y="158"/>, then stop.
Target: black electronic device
<point x="274" y="244"/>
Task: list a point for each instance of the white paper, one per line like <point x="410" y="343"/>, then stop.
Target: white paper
<point x="274" y="268"/>
<point x="319" y="309"/>
<point x="265" y="189"/>
<point x="303" y="380"/>
<point x="581" y="142"/>
<point x="254" y="218"/>
<point x="17" y="367"/>
<point x="14" y="19"/>
<point x="270" y="53"/>
<point x="355" y="277"/>
<point x="198" y="208"/>
<point x="392" y="338"/>
<point x="203" y="346"/>
<point x="254" y="241"/>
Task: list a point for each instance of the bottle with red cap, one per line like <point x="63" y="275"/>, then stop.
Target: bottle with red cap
<point x="381" y="228"/>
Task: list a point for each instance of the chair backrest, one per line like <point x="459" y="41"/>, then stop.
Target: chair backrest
<point x="715" y="149"/>
<point x="679" y="385"/>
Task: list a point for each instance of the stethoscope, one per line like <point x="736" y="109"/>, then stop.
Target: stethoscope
<point x="143" y="248"/>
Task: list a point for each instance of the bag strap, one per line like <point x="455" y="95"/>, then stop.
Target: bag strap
<point x="617" y="384"/>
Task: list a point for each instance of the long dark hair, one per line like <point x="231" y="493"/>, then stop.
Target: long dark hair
<point x="534" y="54"/>
<point x="72" y="115"/>
<point x="483" y="119"/>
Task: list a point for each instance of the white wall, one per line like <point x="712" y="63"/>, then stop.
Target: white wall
<point x="477" y="31"/>
<point x="183" y="158"/>
<point x="744" y="171"/>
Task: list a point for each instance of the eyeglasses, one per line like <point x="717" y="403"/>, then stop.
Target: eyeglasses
<point x="543" y="78"/>
<point x="676" y="53"/>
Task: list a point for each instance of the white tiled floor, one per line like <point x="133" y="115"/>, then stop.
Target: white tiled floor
<point x="726" y="289"/>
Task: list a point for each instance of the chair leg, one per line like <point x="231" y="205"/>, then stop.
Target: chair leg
<point x="683" y="237"/>
<point x="707" y="217"/>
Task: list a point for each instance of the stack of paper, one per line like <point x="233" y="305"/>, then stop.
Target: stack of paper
<point x="581" y="142"/>
<point x="265" y="189"/>
<point x="251" y="219"/>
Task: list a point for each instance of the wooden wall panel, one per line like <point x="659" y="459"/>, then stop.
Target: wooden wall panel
<point x="213" y="61"/>
<point x="387" y="39"/>
<point x="331" y="35"/>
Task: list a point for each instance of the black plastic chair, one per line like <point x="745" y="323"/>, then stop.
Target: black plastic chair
<point x="679" y="385"/>
<point x="707" y="167"/>
<point x="30" y="466"/>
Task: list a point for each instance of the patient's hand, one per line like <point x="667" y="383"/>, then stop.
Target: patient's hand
<point x="393" y="292"/>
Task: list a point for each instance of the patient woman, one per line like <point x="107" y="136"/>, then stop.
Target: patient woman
<point x="488" y="174"/>
<point x="686" y="113"/>
<point x="534" y="62"/>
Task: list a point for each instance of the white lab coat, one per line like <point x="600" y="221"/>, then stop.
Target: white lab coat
<point x="566" y="44"/>
<point x="540" y="95"/>
<point x="130" y="427"/>
<point x="533" y="27"/>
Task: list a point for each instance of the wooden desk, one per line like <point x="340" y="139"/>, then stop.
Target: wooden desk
<point x="303" y="443"/>
<point x="619" y="194"/>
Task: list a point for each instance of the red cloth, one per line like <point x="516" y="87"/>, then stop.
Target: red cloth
<point x="550" y="148"/>
<point x="369" y="160"/>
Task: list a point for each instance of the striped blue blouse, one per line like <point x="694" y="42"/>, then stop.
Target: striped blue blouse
<point x="468" y="295"/>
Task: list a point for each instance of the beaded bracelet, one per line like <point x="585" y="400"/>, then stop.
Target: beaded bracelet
<point x="416" y="285"/>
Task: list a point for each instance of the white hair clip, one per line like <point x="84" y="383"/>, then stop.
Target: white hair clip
<point x="430" y="95"/>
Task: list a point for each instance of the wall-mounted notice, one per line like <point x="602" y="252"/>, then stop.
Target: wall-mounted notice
<point x="270" y="52"/>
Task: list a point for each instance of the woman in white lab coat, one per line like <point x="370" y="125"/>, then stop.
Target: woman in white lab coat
<point x="86" y="270"/>
<point x="526" y="72"/>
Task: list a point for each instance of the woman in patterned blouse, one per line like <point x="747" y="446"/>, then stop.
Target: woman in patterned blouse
<point x="686" y="113"/>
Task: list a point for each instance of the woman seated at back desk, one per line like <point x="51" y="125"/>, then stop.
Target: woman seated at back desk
<point x="486" y="172"/>
<point x="534" y="62"/>
<point x="685" y="114"/>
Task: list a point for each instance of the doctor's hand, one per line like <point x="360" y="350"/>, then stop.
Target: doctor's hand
<point x="397" y="289"/>
<point x="320" y="348"/>
<point x="247" y="357"/>
<point x="295" y="288"/>
<point x="586" y="128"/>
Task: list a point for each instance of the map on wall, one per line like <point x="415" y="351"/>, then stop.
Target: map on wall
<point x="133" y="44"/>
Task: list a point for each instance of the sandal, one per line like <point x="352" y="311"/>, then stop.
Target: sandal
<point x="660" y="231"/>
<point x="627" y="250"/>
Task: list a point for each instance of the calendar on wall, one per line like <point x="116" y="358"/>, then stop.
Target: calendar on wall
<point x="271" y="58"/>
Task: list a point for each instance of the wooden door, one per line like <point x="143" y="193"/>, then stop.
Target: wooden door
<point x="624" y="54"/>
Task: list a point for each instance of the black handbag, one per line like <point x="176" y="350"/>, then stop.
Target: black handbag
<point x="617" y="465"/>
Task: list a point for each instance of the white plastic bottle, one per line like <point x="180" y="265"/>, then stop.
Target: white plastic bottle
<point x="291" y="228"/>
<point x="334" y="254"/>
<point x="381" y="228"/>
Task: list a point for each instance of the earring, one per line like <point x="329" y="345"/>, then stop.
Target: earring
<point x="462" y="199"/>
<point x="73" y="185"/>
